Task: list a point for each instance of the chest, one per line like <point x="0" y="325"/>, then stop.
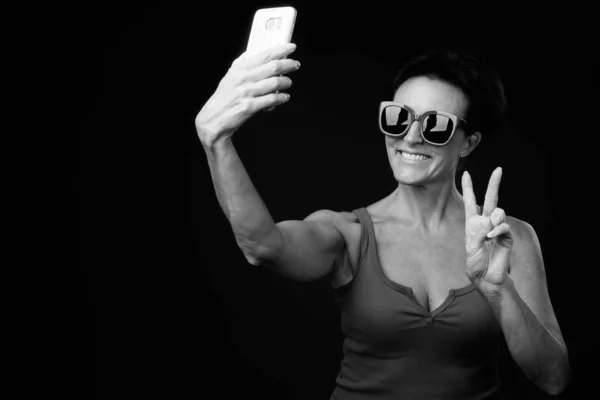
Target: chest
<point x="429" y="265"/>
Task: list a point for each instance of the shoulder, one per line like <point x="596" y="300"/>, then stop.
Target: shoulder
<point x="348" y="216"/>
<point x="522" y="231"/>
<point x="526" y="245"/>
<point x="337" y="217"/>
<point x="347" y="223"/>
<point x="344" y="222"/>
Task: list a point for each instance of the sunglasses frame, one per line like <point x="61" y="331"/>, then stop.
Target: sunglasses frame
<point x="420" y="118"/>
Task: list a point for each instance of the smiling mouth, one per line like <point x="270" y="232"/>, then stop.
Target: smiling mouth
<point x="413" y="156"/>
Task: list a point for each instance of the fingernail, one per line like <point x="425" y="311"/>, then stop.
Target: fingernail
<point x="298" y="65"/>
<point x="291" y="46"/>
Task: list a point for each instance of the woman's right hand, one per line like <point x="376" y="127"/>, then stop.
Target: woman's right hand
<point x="248" y="87"/>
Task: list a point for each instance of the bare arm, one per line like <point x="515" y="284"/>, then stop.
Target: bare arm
<point x="250" y="86"/>
<point x="302" y="250"/>
<point x="504" y="261"/>
<point x="306" y="250"/>
<point x="525" y="312"/>
<point x="252" y="225"/>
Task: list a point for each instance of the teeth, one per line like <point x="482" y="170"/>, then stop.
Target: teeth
<point x="414" y="157"/>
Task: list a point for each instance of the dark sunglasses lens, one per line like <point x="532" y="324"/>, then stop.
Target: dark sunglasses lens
<point x="437" y="128"/>
<point x="394" y="120"/>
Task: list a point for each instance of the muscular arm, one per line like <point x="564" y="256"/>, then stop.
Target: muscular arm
<point x="527" y="318"/>
<point x="300" y="250"/>
<point x="250" y="220"/>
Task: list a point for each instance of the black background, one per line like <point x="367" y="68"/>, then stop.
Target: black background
<point x="174" y="309"/>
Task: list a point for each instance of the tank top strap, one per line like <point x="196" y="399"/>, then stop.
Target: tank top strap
<point x="367" y="233"/>
<point x="345" y="272"/>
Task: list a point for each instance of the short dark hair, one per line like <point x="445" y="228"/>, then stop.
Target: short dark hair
<point x="465" y="69"/>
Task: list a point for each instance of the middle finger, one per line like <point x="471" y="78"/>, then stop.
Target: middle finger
<point x="491" y="194"/>
<point x="272" y="68"/>
<point x="272" y="84"/>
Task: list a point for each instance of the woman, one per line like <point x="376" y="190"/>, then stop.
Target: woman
<point x="429" y="282"/>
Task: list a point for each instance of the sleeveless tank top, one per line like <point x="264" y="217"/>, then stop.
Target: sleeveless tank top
<point x="394" y="348"/>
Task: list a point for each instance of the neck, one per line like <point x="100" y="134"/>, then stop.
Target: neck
<point x="427" y="207"/>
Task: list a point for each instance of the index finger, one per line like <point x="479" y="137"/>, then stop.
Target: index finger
<point x="468" y="196"/>
<point x="491" y="195"/>
<point x="250" y="60"/>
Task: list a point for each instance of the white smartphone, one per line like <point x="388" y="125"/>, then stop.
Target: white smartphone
<point x="270" y="27"/>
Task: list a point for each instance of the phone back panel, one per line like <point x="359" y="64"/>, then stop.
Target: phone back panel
<point x="271" y="26"/>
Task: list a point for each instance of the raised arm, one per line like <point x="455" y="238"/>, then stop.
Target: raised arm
<point x="305" y="250"/>
<point x="302" y="250"/>
<point x="248" y="87"/>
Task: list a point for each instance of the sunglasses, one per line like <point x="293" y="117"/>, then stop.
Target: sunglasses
<point x="437" y="127"/>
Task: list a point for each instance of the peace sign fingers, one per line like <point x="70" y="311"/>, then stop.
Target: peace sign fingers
<point x="491" y="195"/>
<point x="468" y="196"/>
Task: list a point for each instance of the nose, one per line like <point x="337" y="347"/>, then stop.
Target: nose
<point x="413" y="136"/>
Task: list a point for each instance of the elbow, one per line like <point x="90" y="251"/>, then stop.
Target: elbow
<point x="251" y="253"/>
<point x="557" y="384"/>
<point x="258" y="260"/>
<point x="253" y="259"/>
<point x="260" y="253"/>
<point x="555" y="388"/>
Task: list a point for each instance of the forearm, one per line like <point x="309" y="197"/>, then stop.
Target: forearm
<point x="249" y="218"/>
<point x="542" y="357"/>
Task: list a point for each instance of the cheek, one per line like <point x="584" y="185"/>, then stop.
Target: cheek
<point x="455" y="147"/>
<point x="449" y="155"/>
<point x="390" y="146"/>
<point x="390" y="142"/>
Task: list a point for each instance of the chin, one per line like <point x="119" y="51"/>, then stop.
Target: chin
<point x="407" y="177"/>
<point x="411" y="174"/>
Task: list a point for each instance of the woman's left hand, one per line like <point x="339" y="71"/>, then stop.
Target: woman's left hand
<point x="488" y="237"/>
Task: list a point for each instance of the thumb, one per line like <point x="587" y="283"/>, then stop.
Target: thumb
<point x="503" y="235"/>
